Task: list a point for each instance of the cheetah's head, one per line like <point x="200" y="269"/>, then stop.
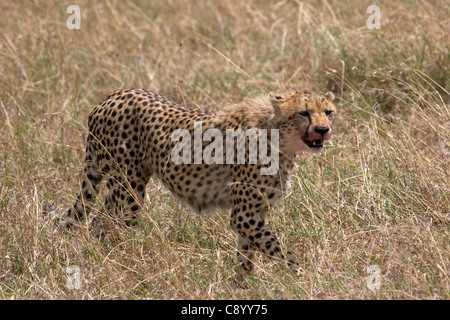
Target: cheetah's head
<point x="304" y="119"/>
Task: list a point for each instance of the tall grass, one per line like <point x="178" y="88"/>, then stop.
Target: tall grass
<point x="378" y="195"/>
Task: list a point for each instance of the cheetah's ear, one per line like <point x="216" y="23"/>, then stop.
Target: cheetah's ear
<point x="329" y="95"/>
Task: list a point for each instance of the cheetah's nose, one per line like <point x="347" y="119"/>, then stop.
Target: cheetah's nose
<point x="322" y="130"/>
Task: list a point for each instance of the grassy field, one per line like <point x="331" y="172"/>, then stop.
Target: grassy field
<point x="378" y="195"/>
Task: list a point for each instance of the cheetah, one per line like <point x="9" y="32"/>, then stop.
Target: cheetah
<point x="132" y="137"/>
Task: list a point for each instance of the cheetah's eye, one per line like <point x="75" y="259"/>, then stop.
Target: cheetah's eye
<point x="304" y="113"/>
<point x="328" y="112"/>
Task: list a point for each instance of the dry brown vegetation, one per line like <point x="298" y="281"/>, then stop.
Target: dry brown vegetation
<point x="378" y="195"/>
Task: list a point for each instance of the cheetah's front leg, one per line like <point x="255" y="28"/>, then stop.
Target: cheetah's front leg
<point x="245" y="254"/>
<point x="247" y="219"/>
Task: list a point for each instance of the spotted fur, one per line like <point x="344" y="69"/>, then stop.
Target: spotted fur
<point x="130" y="140"/>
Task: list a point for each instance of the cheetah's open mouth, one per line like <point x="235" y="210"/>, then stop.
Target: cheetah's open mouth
<point x="318" y="143"/>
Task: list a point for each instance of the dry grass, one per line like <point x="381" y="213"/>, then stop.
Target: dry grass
<point x="379" y="195"/>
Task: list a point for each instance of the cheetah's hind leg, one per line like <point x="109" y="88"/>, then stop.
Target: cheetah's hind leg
<point x="92" y="176"/>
